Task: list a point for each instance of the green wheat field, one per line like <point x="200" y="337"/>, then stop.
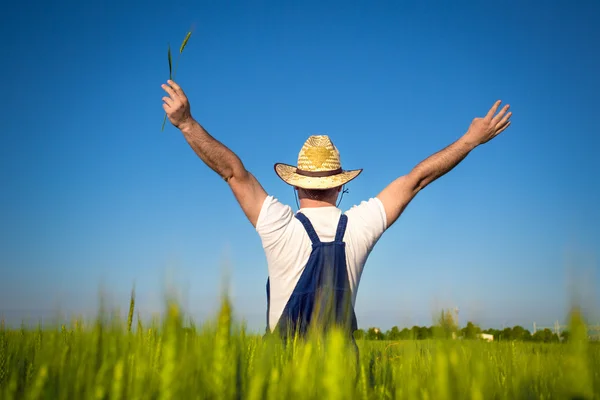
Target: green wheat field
<point x="171" y="358"/>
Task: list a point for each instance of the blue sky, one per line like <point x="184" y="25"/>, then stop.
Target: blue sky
<point x="95" y="195"/>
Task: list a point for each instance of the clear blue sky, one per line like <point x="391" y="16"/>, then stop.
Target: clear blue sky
<point x="93" y="193"/>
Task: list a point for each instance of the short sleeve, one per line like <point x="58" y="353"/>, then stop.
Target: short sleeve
<point x="272" y="221"/>
<point x="370" y="217"/>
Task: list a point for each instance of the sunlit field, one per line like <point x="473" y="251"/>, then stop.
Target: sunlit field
<point x="114" y="358"/>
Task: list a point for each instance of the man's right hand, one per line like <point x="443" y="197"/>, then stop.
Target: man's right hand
<point x="482" y="130"/>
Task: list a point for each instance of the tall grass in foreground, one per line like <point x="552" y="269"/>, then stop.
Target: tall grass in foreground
<point x="111" y="358"/>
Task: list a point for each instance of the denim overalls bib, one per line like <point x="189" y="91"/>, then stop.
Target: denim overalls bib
<point x="322" y="296"/>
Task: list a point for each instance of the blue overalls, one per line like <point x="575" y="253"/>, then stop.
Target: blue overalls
<point x="322" y="296"/>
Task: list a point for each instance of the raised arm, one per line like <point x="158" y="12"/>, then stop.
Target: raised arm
<point x="247" y="190"/>
<point x="398" y="194"/>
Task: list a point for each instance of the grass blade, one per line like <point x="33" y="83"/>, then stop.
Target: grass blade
<point x="164" y="121"/>
<point x="170" y="63"/>
<point x="171" y="78"/>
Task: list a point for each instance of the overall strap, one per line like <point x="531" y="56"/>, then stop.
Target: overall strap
<point x="341" y="228"/>
<point x="314" y="238"/>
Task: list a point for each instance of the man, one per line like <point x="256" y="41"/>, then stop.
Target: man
<point x="316" y="256"/>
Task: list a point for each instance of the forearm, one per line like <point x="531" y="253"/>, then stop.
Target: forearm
<point x="214" y="154"/>
<point x="440" y="163"/>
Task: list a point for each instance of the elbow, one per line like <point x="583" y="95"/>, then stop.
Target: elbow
<point x="417" y="181"/>
<point x="234" y="169"/>
<point x="236" y="174"/>
<point x="421" y="184"/>
<point x="225" y="173"/>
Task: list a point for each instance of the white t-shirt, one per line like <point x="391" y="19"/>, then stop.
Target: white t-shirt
<point x="288" y="247"/>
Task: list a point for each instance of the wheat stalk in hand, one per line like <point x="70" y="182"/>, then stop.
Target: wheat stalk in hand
<point x="173" y="72"/>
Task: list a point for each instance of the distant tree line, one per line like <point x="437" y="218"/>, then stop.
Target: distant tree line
<point x="447" y="327"/>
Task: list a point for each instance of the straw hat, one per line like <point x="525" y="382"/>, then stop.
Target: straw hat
<point x="319" y="166"/>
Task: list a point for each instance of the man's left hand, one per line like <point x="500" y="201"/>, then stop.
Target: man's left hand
<point x="176" y="105"/>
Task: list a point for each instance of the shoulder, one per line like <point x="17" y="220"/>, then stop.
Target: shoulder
<point x="367" y="221"/>
<point x="273" y="219"/>
<point x="271" y="210"/>
<point x="369" y="212"/>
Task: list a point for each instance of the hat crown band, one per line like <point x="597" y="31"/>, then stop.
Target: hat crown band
<point x="319" y="174"/>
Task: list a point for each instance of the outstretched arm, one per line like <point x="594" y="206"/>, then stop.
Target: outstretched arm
<point x="398" y="194"/>
<point x="247" y="190"/>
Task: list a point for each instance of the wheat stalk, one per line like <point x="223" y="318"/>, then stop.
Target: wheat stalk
<point x="174" y="72"/>
<point x="131" y="308"/>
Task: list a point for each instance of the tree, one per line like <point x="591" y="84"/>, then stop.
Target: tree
<point x="447" y="323"/>
<point x="545" y="336"/>
<point x="471" y="331"/>
<point x="520" y="333"/>
<point x="415" y="332"/>
<point x="506" y="334"/>
<point x="427" y="332"/>
<point x="374" y="334"/>
<point x="406" y="334"/>
<point x="421" y="332"/>
<point x="393" y="334"/>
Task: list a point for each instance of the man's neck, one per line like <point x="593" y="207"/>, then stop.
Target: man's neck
<point x="310" y="203"/>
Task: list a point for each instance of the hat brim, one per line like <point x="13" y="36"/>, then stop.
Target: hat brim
<point x="288" y="174"/>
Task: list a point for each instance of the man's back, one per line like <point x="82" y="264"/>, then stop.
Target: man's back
<point x="288" y="247"/>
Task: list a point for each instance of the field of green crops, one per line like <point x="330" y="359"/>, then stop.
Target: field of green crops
<point x="112" y="358"/>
